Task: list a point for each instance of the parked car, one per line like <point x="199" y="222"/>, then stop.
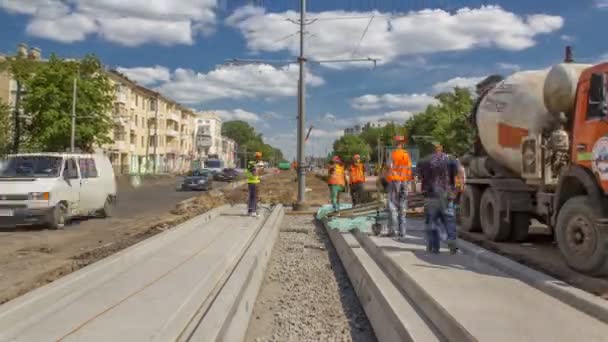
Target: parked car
<point x="224" y="176"/>
<point x="51" y="188"/>
<point x="198" y="180"/>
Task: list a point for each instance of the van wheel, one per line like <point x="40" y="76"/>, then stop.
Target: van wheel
<point x="582" y="244"/>
<point x="492" y="223"/>
<point x="57" y="217"/>
<point x="108" y="207"/>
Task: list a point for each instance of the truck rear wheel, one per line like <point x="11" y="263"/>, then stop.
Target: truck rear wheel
<point x="492" y="223"/>
<point x="469" y="209"/>
<point x="520" y="225"/>
<point x="582" y="244"/>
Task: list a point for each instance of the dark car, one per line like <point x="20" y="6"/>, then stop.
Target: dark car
<point x="225" y="176"/>
<point x="198" y="180"/>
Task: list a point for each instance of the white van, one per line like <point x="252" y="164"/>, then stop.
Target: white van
<point x="50" y="188"/>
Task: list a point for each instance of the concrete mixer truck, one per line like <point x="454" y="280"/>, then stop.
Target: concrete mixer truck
<point x="543" y="154"/>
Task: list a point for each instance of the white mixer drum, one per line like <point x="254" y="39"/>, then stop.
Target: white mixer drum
<point x="511" y="111"/>
<point x="560" y="87"/>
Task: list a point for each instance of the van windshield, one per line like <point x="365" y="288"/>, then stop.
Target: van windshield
<point x="31" y="166"/>
<point x="214" y="164"/>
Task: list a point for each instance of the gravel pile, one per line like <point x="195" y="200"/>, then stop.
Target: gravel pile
<point x="306" y="295"/>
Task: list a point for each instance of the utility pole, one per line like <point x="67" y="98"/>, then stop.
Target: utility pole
<point x="73" y="135"/>
<point x="300" y="204"/>
<point x="156" y="134"/>
<point x="301" y="61"/>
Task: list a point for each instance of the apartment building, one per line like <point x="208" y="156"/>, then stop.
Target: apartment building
<point x="151" y="132"/>
<point x="8" y="86"/>
<point x="209" y="139"/>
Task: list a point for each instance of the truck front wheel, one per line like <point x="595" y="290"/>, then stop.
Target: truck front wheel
<point x="492" y="223"/>
<point x="469" y="209"/>
<point x="582" y="244"/>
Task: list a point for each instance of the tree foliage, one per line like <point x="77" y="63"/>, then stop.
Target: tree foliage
<point x="49" y="103"/>
<point x="4" y="129"/>
<point x="20" y="69"/>
<point x="445" y="122"/>
<point x="247" y="138"/>
<point x="349" y="145"/>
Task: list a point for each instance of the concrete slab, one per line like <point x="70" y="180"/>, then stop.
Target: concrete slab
<point x="393" y="316"/>
<point x="489" y="303"/>
<point x="150" y="298"/>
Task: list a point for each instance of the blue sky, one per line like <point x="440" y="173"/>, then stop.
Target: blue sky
<point x="180" y="47"/>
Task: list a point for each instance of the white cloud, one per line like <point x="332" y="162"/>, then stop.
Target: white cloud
<point x="126" y="22"/>
<point x="602" y="4"/>
<point x="238" y="114"/>
<point x="147" y="75"/>
<point x="234" y="82"/>
<point x="460" y="82"/>
<point x="66" y="28"/>
<point x="508" y="66"/>
<point x="412" y="102"/>
<point x="567" y="38"/>
<point x="399" y="116"/>
<point x="414" y="33"/>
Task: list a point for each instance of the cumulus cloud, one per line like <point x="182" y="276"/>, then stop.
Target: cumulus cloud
<point x="234" y="82"/>
<point x="460" y="82"/>
<point x="426" y="31"/>
<point x="130" y="23"/>
<point x="238" y="114"/>
<point x="602" y="4"/>
<point x="147" y="75"/>
<point x="508" y="66"/>
<point x="412" y="102"/>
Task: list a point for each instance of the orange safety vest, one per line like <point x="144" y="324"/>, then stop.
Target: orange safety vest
<point x="356" y="173"/>
<point x="401" y="168"/>
<point x="337" y="176"/>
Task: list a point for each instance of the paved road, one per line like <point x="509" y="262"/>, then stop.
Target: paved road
<point x="146" y="200"/>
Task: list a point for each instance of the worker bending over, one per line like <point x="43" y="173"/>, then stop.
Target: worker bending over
<point x="253" y="179"/>
<point x="357" y="178"/>
<point x="336" y="181"/>
<point x="398" y="176"/>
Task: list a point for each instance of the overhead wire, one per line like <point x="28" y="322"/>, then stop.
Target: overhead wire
<point x="362" y="36"/>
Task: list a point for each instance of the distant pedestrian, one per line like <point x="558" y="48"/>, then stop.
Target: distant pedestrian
<point x="398" y="176"/>
<point x="357" y="179"/>
<point x="336" y="181"/>
<point x="253" y="179"/>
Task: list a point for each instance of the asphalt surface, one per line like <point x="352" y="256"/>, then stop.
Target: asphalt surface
<point x="146" y="200"/>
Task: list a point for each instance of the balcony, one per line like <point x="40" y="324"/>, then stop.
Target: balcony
<point x="121" y="98"/>
<point x="204" y="141"/>
<point x="132" y="148"/>
<point x="174" y="116"/>
<point x="172" y="133"/>
<point x="119" y="145"/>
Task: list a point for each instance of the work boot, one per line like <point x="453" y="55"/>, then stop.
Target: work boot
<point x="452" y="246"/>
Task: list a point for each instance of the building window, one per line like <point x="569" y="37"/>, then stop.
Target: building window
<point x="136" y="100"/>
<point x="136" y="119"/>
<point x="142" y="141"/>
<point x="143" y="124"/>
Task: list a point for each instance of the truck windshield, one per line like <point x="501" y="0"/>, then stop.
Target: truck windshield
<point x="31" y="166"/>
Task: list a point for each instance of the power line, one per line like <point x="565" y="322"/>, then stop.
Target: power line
<point x="362" y="36"/>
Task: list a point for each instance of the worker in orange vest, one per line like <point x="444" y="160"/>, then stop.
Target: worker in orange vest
<point x="398" y="176"/>
<point x="357" y="178"/>
<point x="336" y="181"/>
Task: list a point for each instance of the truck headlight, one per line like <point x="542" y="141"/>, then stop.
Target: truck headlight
<point x="202" y="181"/>
<point x="38" y="196"/>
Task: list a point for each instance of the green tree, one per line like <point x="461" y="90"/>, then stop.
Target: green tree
<point x="4" y="129"/>
<point x="446" y="122"/>
<point x="239" y="131"/>
<point x="49" y="102"/>
<point x="21" y="69"/>
<point x="349" y="145"/>
<point x="247" y="138"/>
